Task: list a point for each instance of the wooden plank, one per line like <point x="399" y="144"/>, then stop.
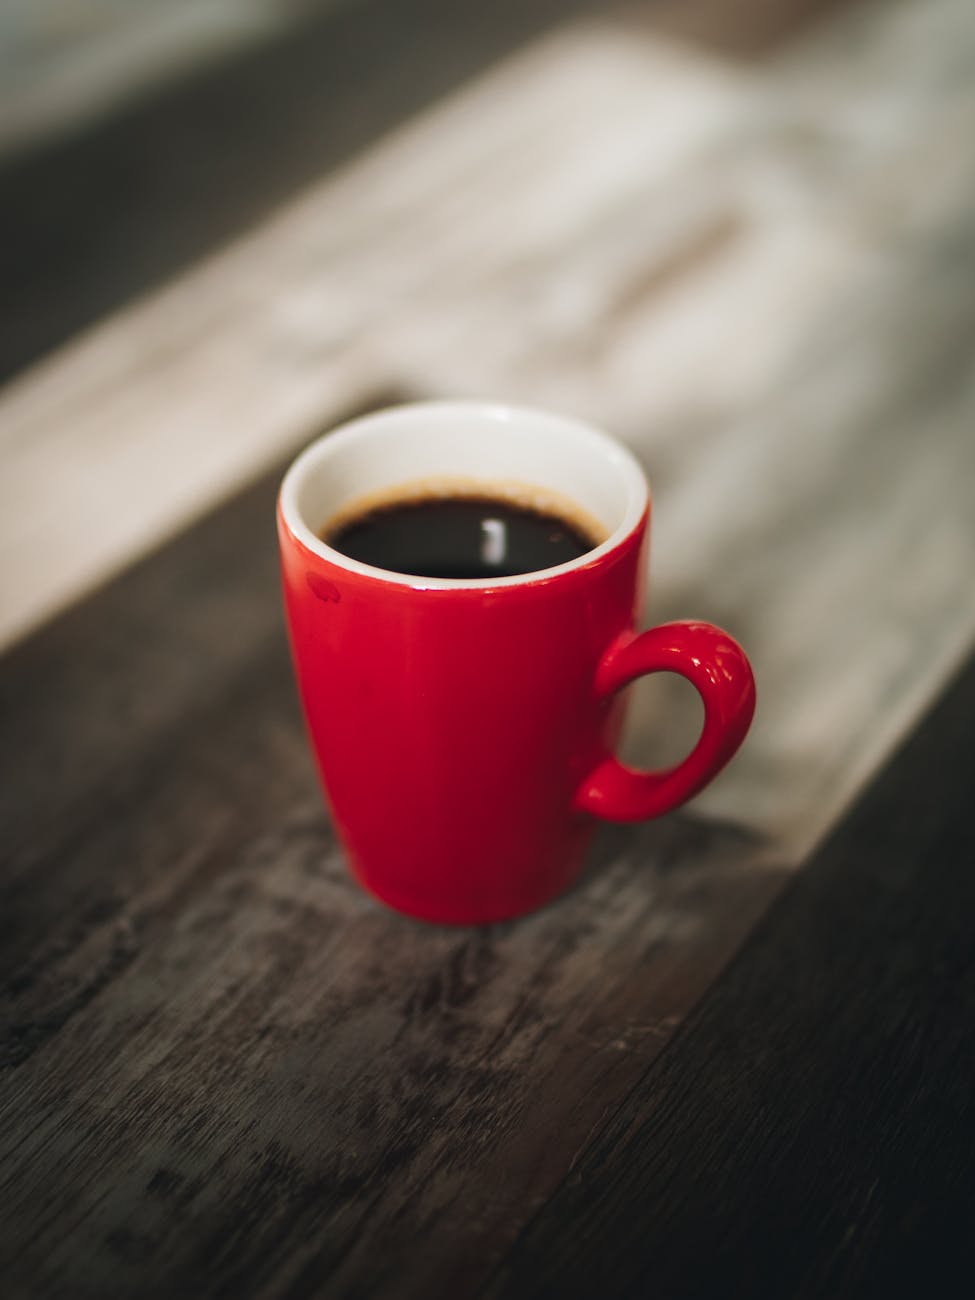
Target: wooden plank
<point x="816" y="272"/>
<point x="224" y="1069"/>
<point x="811" y="1131"/>
<point x="281" y="94"/>
<point x="185" y="395"/>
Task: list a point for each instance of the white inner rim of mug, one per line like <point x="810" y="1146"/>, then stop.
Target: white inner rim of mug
<point x="479" y="443"/>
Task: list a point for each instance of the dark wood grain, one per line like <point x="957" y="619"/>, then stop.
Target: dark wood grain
<point x="226" y="1072"/>
<point x="811" y="1130"/>
<point x="223" y="1069"/>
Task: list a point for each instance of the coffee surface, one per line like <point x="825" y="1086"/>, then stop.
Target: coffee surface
<point x="459" y="537"/>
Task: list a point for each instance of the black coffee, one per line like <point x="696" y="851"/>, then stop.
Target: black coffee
<point x="459" y="537"/>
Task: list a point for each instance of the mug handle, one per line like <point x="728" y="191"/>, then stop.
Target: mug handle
<point x="715" y="664"/>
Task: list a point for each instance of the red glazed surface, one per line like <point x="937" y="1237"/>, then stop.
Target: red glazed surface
<point x="464" y="736"/>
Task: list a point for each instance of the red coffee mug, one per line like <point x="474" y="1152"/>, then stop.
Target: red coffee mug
<point x="464" y="729"/>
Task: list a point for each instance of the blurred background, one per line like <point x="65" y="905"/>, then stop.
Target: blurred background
<point x="738" y="233"/>
<point x="138" y="134"/>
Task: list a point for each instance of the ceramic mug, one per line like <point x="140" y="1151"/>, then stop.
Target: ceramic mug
<point x="464" y="728"/>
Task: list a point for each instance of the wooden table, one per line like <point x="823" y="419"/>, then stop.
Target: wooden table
<point x="738" y="1058"/>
